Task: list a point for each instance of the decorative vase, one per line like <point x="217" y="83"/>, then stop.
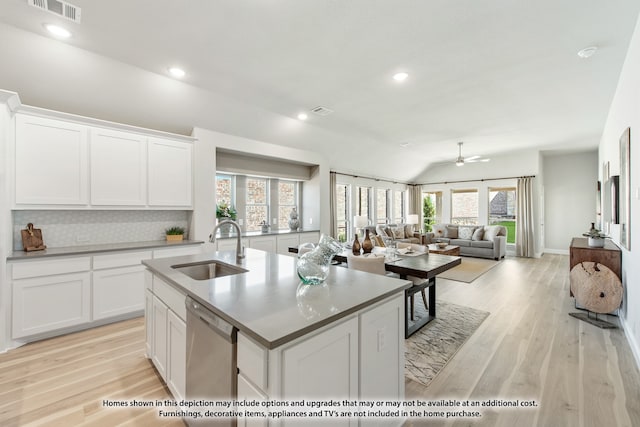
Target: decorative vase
<point x="367" y="244"/>
<point x="596" y="242"/>
<point x="313" y="266"/>
<point x="225" y="229"/>
<point x="355" y="248"/>
<point x="294" y="222"/>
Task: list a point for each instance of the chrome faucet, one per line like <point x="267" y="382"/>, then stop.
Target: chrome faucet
<point x="239" y="247"/>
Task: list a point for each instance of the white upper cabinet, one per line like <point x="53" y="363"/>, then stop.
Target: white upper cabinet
<point x="170" y="173"/>
<point x="51" y="162"/>
<point x="68" y="162"/>
<point x="118" y="168"/>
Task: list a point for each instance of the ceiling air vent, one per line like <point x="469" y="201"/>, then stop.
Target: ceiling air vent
<point x="321" y="111"/>
<point x="59" y="8"/>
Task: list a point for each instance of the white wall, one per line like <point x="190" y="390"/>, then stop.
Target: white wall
<point x="315" y="194"/>
<point x="570" y="183"/>
<point x="6" y="133"/>
<point x="625" y="112"/>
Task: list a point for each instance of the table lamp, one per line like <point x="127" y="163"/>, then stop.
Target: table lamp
<point x="360" y="222"/>
<point x="412" y="219"/>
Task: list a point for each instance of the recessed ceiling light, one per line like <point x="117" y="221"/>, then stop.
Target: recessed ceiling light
<point x="405" y="144"/>
<point x="302" y="116"/>
<point x="400" y="77"/>
<point x="587" y="52"/>
<point x="177" y="72"/>
<point x="58" y="31"/>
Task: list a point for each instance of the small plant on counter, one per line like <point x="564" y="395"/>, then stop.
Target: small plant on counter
<point x="174" y="233"/>
<point x="224" y="211"/>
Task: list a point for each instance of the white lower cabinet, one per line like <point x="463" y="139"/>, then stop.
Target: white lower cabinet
<point x="287" y="241"/>
<point x="43" y="304"/>
<point x="118" y="291"/>
<point x="263" y="243"/>
<point x="176" y="355"/>
<point x="248" y="391"/>
<point x="159" y="314"/>
<point x="166" y="333"/>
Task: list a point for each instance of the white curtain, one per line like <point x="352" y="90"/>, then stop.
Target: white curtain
<point x="525" y="246"/>
<point x="415" y="203"/>
<point x="333" y="204"/>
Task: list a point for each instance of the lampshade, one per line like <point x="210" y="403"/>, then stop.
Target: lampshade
<point x="360" y="221"/>
<point x="412" y="219"/>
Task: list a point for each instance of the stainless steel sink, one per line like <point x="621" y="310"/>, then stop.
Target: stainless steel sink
<point x="206" y="270"/>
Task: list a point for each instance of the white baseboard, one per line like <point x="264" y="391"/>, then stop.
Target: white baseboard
<point x="556" y="251"/>
<point x="635" y="348"/>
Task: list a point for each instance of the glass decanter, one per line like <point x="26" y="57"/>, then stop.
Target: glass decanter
<point x="313" y="267"/>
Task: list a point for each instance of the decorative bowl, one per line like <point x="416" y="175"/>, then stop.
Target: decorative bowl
<point x="442" y="245"/>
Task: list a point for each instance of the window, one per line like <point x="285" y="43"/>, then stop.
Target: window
<point x="431" y="209"/>
<point x="502" y="210"/>
<point x="256" y="207"/>
<point x="398" y="206"/>
<point x="381" y="206"/>
<point x="364" y="196"/>
<point x="287" y="200"/>
<point x="342" y="211"/>
<point x="224" y="189"/>
<point x="464" y="207"/>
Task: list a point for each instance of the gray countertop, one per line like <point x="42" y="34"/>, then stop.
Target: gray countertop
<point x="267" y="302"/>
<point x="232" y="235"/>
<point x="90" y="249"/>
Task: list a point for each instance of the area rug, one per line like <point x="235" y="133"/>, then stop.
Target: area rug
<point x="469" y="270"/>
<point x="429" y="350"/>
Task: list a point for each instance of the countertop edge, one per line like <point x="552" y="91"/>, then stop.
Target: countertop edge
<point x="100" y="248"/>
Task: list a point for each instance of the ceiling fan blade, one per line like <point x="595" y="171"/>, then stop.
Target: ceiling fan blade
<point x="472" y="158"/>
<point x="476" y="160"/>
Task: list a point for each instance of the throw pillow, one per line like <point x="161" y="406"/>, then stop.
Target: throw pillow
<point x="478" y="234"/>
<point x="465" y="232"/>
<point x="490" y="232"/>
<point x="379" y="241"/>
<point x="408" y="231"/>
<point x="398" y="232"/>
<point x="389" y="231"/>
<point x="438" y="230"/>
<point x="451" y="232"/>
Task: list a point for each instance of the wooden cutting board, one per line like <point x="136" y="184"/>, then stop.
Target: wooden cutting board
<point x="32" y="239"/>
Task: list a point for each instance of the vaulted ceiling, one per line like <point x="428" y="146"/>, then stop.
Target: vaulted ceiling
<point x="499" y="75"/>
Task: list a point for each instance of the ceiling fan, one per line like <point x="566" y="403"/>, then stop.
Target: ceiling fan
<point x="460" y="161"/>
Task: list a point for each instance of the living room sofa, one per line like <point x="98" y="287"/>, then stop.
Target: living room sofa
<point x="399" y="232"/>
<point x="484" y="241"/>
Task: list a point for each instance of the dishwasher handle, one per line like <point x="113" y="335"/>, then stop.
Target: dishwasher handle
<point x="215" y="323"/>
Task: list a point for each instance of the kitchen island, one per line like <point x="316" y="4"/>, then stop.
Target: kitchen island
<point x="340" y="340"/>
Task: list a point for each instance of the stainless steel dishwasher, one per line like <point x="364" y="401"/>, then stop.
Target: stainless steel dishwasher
<point x="211" y="360"/>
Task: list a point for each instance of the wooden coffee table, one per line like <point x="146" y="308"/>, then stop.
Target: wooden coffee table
<point x="452" y="250"/>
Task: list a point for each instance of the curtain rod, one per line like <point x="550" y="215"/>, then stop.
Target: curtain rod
<point x="478" y="180"/>
<point x="370" y="177"/>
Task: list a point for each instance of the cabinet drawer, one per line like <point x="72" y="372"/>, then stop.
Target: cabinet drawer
<point x="120" y="259"/>
<point x="24" y="269"/>
<point x="170" y="296"/>
<point x="252" y="361"/>
<point x="182" y="250"/>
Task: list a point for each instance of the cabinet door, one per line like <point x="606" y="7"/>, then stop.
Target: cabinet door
<point x="177" y="355"/>
<point x="170" y="173"/>
<point x="118" y="291"/>
<point x="159" y="350"/>
<point x="324" y="366"/>
<point x="286" y="241"/>
<point x="311" y="237"/>
<point x="47" y="303"/>
<point x="118" y="168"/>
<point x="264" y="243"/>
<point x="382" y="351"/>
<point x="51" y="162"/>
<point x="248" y="391"/>
<point x="148" y="323"/>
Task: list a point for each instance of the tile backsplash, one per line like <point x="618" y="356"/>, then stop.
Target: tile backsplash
<point x="77" y="228"/>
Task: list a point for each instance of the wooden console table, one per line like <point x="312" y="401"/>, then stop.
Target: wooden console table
<point x="610" y="256"/>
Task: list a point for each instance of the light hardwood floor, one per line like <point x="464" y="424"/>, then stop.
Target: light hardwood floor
<point x="528" y="348"/>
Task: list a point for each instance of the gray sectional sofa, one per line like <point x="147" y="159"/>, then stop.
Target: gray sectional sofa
<point x="484" y="241"/>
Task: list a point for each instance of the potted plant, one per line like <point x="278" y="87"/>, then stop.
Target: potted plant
<point x="596" y="237"/>
<point x="174" y="233"/>
<point x="225" y="211"/>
